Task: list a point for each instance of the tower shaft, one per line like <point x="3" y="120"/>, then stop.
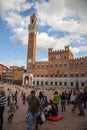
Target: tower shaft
<point x="31" y="55"/>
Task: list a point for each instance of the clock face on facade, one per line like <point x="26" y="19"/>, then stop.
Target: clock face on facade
<point x="29" y="60"/>
<point x="57" y="57"/>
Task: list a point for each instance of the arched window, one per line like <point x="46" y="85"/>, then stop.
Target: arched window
<point x="60" y="83"/>
<point x="65" y="56"/>
<point x="37" y="83"/>
<point x="82" y="84"/>
<point x="71" y="64"/>
<point x="56" y="83"/>
<point x="71" y="75"/>
<point x="76" y="64"/>
<point x="65" y="83"/>
<point x="65" y="65"/>
<point x="51" y="83"/>
<point x="71" y="83"/>
<point x="82" y="75"/>
<point x="41" y="83"/>
<point x="77" y="75"/>
<point x="32" y="21"/>
<point x="65" y="75"/>
<point x="46" y="83"/>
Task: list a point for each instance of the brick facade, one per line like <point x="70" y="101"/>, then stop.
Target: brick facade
<point x="61" y="69"/>
<point x="3" y="70"/>
<point x="14" y="75"/>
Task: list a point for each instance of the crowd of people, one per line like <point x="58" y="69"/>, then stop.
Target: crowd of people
<point x="38" y="105"/>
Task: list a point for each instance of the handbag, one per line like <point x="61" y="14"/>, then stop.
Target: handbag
<point x="41" y="119"/>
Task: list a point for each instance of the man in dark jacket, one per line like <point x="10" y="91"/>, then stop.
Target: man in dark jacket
<point x="85" y="98"/>
<point x="79" y="100"/>
<point x="34" y="110"/>
<point x="63" y="101"/>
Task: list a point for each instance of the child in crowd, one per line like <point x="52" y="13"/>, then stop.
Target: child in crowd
<point x="50" y="110"/>
<point x="54" y="110"/>
<point x="11" y="112"/>
<point x="47" y="110"/>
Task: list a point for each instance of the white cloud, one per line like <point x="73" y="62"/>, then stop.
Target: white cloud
<point x="83" y="48"/>
<point x="60" y="15"/>
<point x="75" y="50"/>
<point x="55" y="14"/>
<point x="44" y="41"/>
<point x="68" y="16"/>
<point x="15" y="20"/>
<point x="13" y="63"/>
<point x="77" y="6"/>
<point x="10" y="13"/>
<point x="14" y="5"/>
<point x="21" y="37"/>
<point x="17" y="63"/>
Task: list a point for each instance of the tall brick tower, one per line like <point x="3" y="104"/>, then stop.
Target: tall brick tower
<point x="31" y="55"/>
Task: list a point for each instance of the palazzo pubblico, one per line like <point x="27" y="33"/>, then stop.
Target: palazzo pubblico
<point x="61" y="69"/>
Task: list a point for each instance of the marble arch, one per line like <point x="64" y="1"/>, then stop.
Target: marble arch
<point x="28" y="79"/>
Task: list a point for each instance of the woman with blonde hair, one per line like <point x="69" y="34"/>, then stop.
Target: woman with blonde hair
<point x="2" y="106"/>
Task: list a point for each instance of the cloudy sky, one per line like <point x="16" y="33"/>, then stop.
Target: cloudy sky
<point x="60" y="23"/>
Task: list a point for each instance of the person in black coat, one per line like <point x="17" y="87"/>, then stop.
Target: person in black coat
<point x="85" y="98"/>
<point x="79" y="99"/>
<point x="63" y="101"/>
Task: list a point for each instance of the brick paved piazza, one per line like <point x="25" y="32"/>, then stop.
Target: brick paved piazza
<point x="70" y="121"/>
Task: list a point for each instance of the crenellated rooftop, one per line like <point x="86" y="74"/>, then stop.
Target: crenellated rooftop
<point x="80" y="58"/>
<point x="50" y="50"/>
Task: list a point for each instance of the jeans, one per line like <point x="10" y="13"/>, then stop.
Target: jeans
<point x="63" y="105"/>
<point x="32" y="118"/>
<point x="85" y="103"/>
<point x="80" y="108"/>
